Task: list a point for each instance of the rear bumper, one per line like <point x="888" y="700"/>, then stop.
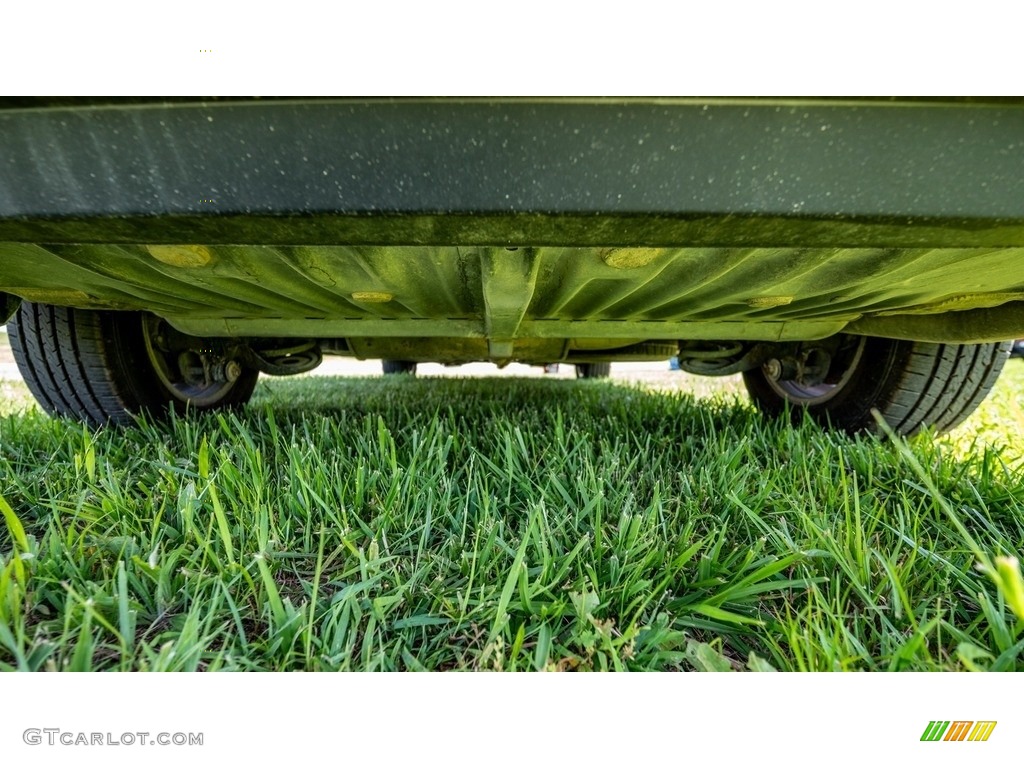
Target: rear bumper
<point x="755" y="173"/>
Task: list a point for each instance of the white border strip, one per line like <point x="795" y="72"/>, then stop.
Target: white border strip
<point x="521" y="720"/>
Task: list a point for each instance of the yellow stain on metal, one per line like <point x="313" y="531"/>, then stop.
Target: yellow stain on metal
<point x="764" y="302"/>
<point x="372" y="297"/>
<point x="189" y="256"/>
<point x="630" y="258"/>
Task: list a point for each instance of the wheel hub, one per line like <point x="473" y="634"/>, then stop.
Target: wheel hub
<point x="200" y="377"/>
<point x="815" y="374"/>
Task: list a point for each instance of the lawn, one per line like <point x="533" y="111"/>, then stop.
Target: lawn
<point x="507" y="524"/>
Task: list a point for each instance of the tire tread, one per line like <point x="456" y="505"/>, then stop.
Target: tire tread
<point x="75" y="363"/>
<point x="913" y="386"/>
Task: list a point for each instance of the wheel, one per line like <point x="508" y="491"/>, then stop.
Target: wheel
<point x="913" y="385"/>
<point x="593" y="370"/>
<point x="104" y="366"/>
<point x="399" y="366"/>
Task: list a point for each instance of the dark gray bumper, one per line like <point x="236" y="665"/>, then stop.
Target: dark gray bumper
<point x="415" y="172"/>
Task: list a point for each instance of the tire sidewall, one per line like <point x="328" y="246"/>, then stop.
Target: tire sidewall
<point x="877" y="374"/>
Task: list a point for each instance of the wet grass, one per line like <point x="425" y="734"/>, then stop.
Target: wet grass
<point x="383" y="524"/>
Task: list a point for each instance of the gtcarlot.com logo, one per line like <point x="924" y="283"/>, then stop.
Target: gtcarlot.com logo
<point x="958" y="730"/>
<point x="54" y="737"/>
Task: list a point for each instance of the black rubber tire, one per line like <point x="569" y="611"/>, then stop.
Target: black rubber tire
<point x="913" y="385"/>
<point x="399" y="366"/>
<point x="593" y="370"/>
<point x="93" y="365"/>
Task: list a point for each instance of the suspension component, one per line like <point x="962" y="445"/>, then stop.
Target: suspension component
<point x="286" y="361"/>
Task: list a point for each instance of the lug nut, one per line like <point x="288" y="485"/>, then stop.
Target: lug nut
<point x="773" y="369"/>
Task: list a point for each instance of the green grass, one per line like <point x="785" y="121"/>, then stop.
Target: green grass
<point x="511" y="525"/>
